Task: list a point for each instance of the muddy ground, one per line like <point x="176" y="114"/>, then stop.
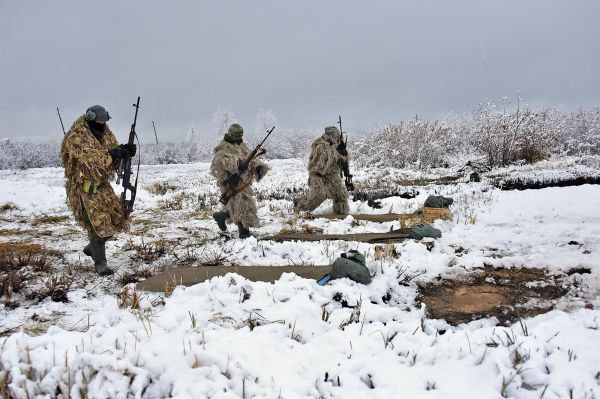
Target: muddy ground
<point x="507" y="294"/>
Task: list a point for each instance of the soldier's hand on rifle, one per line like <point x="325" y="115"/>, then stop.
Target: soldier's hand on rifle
<point x="123" y="151"/>
<point x="242" y="166"/>
<point x="260" y="173"/>
<point x="130" y="148"/>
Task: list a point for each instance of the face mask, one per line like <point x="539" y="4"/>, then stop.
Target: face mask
<point x="97" y="129"/>
<point x="234" y="138"/>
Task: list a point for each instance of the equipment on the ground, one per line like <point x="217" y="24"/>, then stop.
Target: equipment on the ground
<point x="124" y="172"/>
<point x="352" y="265"/>
<point x="438" y="201"/>
<point x="344" y="164"/>
<point x="232" y="181"/>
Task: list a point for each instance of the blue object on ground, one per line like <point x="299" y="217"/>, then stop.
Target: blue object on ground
<point x="323" y="280"/>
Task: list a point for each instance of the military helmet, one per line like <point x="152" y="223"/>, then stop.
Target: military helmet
<point x="97" y="113"/>
<point x="234" y="134"/>
<point x="235" y="128"/>
<point x="332" y="134"/>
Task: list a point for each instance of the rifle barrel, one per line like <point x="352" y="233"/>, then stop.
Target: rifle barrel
<point x="155" y="135"/>
<point x="268" y="134"/>
<point x="61" y="122"/>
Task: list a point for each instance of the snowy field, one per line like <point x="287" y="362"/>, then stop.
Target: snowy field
<point x="233" y="338"/>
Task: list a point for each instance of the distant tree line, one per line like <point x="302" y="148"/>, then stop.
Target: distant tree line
<point x="497" y="135"/>
<point x="500" y="135"/>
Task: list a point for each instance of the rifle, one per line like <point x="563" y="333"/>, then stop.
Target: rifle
<point x="154" y="127"/>
<point x="232" y="181"/>
<point x="124" y="171"/>
<point x="344" y="164"/>
<point x="61" y="124"/>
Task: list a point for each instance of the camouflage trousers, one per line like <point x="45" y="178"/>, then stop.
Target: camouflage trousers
<point x="325" y="187"/>
<point x="91" y="232"/>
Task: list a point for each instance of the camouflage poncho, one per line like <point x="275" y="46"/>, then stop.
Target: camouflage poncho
<point x="86" y="158"/>
<point x="324" y="181"/>
<point x="242" y="207"/>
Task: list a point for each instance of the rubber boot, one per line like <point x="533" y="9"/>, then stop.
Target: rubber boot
<point x="98" y="246"/>
<point x="244" y="231"/>
<point x="88" y="249"/>
<point x="220" y="217"/>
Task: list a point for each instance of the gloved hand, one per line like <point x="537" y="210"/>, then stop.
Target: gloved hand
<point x="260" y="173"/>
<point x="242" y="166"/>
<point x="123" y="151"/>
<point x="130" y="148"/>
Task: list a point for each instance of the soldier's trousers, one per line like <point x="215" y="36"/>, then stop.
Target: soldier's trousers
<point x="322" y="188"/>
<point x="89" y="227"/>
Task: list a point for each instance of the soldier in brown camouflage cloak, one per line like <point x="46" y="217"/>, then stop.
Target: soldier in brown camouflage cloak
<point x="91" y="155"/>
<point x="324" y="180"/>
<point x="228" y="159"/>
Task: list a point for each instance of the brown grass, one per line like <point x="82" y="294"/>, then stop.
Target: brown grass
<point x="146" y="252"/>
<point x="135" y="275"/>
<point x="14" y="232"/>
<point x="49" y="219"/>
<point x="421" y="217"/>
<point x="20" y="264"/>
<point x="161" y="188"/>
<point x="9" y="206"/>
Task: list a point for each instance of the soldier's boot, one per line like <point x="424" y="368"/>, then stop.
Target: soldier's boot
<point x="98" y="247"/>
<point x="88" y="249"/>
<point x="220" y="217"/>
<point x="244" y="231"/>
<point x="341" y="207"/>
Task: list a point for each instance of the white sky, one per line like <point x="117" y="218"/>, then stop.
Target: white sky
<point x="307" y="61"/>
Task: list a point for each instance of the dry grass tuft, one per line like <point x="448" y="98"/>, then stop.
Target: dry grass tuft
<point x="146" y="252"/>
<point x="161" y="188"/>
<point x="311" y="230"/>
<point x="7" y="207"/>
<point x="49" y="219"/>
<point x="56" y="289"/>
<point x="385" y="252"/>
<point x="129" y="298"/>
<point x="135" y="275"/>
<point x="421" y="217"/>
<point x="21" y="264"/>
<point x="214" y="257"/>
<point x="15" y="256"/>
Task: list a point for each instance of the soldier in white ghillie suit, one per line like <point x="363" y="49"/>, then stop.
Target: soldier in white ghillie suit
<point x="228" y="159"/>
<point x="324" y="180"/>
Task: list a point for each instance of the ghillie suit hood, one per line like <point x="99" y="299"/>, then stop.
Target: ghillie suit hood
<point x="88" y="164"/>
<point x="242" y="207"/>
<point x="324" y="181"/>
<point x="332" y="134"/>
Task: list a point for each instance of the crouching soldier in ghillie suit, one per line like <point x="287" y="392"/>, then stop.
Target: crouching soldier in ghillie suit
<point x="228" y="159"/>
<point x="324" y="180"/>
<point x="91" y="155"/>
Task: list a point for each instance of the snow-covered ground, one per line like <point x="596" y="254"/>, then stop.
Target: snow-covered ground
<point x="230" y="337"/>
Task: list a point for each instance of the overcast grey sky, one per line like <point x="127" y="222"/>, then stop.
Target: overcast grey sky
<point x="307" y="61"/>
